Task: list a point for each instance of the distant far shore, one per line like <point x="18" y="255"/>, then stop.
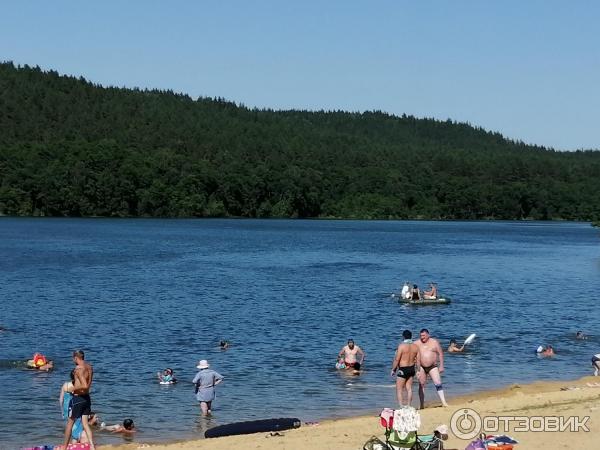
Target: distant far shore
<point x="332" y="218"/>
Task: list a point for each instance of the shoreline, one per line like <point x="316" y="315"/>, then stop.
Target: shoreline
<point x="571" y="398"/>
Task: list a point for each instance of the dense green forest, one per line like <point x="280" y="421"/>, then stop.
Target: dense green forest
<point x="69" y="147"/>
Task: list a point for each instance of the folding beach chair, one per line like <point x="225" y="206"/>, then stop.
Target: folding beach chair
<point x="401" y="426"/>
<point x="429" y="442"/>
<point x="401" y="431"/>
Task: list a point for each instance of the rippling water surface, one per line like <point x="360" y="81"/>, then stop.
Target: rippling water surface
<point x="140" y="295"/>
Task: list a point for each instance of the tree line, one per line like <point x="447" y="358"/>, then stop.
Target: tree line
<point x="69" y="147"/>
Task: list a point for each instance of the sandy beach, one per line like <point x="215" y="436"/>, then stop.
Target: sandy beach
<point x="580" y="398"/>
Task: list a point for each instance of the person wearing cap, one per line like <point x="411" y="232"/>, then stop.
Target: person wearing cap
<point x="349" y="353"/>
<point x="206" y="380"/>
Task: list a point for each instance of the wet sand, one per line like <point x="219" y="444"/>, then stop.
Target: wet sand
<point x="579" y="398"/>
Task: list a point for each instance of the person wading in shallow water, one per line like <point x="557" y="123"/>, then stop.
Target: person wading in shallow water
<point x="206" y="380"/>
<point x="80" y="405"/>
<point x="403" y="367"/>
<point x="350" y="353"/>
<point x="430" y="351"/>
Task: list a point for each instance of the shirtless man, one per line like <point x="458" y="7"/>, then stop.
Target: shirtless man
<point x="454" y="348"/>
<point x="350" y="352"/>
<point x="403" y="367"/>
<point x="430" y="351"/>
<point x="81" y="404"/>
<point x="432" y="292"/>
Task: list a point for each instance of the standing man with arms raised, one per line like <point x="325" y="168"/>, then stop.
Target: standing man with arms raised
<point x="80" y="405"/>
<point x="430" y="351"/>
<point x="403" y="367"/>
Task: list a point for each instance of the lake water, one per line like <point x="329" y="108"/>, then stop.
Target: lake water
<point x="140" y="295"/>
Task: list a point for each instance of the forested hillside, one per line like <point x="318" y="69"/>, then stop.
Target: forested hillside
<point x="72" y="148"/>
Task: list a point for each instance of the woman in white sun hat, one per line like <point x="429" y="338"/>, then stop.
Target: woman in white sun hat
<point x="206" y="380"/>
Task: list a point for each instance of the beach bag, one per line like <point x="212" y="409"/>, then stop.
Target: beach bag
<point x="477" y="444"/>
<point x="500" y="442"/>
<point x="374" y="443"/>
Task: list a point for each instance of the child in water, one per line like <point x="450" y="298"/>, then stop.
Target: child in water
<point x="40" y="362"/>
<point x="168" y="376"/>
<point x="128" y="427"/>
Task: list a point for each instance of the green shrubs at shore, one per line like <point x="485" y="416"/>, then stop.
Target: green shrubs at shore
<point x="72" y="148"/>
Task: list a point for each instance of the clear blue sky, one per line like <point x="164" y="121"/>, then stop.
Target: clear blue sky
<point x="528" y="68"/>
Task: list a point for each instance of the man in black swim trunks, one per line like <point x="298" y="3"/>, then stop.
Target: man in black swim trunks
<point x="80" y="405"/>
<point x="431" y="363"/>
<point x="403" y="367"/>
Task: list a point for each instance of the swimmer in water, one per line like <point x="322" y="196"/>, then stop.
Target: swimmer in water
<point x="127" y="428"/>
<point x="224" y="345"/>
<point x="167" y="376"/>
<point x="548" y="352"/>
<point x="580" y="336"/>
<point x="40" y="362"/>
<point x="454" y="348"/>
